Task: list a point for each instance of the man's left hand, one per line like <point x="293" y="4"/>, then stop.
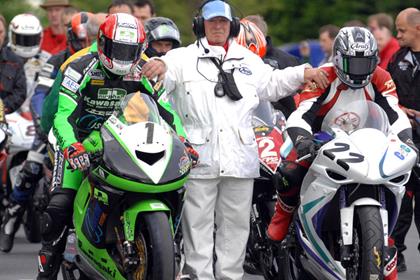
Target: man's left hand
<point x="317" y="75"/>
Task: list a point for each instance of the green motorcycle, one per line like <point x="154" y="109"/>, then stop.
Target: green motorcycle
<point x="127" y="209"/>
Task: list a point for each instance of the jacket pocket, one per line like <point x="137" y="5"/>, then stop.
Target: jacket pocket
<point x="197" y="137"/>
<point x="247" y="136"/>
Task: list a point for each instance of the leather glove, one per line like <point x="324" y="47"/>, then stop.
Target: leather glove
<point x="191" y="151"/>
<point x="77" y="156"/>
<point x="304" y="146"/>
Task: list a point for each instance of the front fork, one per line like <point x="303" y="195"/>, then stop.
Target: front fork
<point x="347" y="216"/>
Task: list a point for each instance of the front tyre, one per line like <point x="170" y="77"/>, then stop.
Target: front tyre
<point x="368" y="245"/>
<point x="155" y="247"/>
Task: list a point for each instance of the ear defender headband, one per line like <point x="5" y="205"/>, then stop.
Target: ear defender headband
<point x="198" y="23"/>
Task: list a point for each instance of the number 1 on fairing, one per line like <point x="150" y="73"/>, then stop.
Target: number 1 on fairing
<point x="150" y="128"/>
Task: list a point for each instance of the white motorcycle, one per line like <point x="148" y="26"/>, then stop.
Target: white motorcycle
<point x="21" y="134"/>
<point x="350" y="199"/>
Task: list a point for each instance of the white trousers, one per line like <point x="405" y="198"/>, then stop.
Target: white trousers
<point x="226" y="203"/>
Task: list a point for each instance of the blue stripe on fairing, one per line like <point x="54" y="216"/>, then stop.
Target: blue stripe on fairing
<point x="313" y="254"/>
<point x="381" y="166"/>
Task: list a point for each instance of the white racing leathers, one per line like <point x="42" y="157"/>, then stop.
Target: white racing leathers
<point x="220" y="130"/>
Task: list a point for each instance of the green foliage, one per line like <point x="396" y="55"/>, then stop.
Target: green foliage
<point x="10" y="8"/>
<point x="288" y="20"/>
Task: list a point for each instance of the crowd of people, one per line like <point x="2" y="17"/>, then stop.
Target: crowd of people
<point x="214" y="86"/>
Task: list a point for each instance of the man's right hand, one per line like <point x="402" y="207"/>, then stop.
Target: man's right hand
<point x="154" y="68"/>
<point x="77" y="156"/>
<point x="318" y="76"/>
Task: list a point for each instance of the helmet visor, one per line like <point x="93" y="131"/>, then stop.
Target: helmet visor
<point x="26" y="40"/>
<point x="359" y="65"/>
<point x="121" y="51"/>
<point x="165" y="32"/>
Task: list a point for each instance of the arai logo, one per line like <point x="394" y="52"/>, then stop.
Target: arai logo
<point x="359" y="47"/>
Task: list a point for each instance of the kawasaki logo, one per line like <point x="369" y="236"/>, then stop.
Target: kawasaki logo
<point x="104" y="268"/>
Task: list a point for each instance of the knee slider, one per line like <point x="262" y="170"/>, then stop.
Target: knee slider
<point x="46" y="223"/>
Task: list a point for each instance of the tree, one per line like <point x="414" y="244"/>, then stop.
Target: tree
<point x="289" y="21"/>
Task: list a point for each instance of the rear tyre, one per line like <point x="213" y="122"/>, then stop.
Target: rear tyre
<point x="32" y="224"/>
<point x="368" y="245"/>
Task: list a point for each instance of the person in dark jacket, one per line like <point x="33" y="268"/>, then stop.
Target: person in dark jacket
<point x="12" y="75"/>
<point x="404" y="68"/>
<point x="278" y="59"/>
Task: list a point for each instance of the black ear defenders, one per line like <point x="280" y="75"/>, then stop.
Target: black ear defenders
<point x="198" y="23"/>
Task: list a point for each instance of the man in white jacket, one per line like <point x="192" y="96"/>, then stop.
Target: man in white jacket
<point x="216" y="84"/>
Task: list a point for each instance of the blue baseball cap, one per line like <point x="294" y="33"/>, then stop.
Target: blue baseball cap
<point x="216" y="8"/>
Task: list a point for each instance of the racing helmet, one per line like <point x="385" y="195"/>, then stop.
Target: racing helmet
<point x="121" y="41"/>
<point x="252" y="38"/>
<point x="25" y="35"/>
<point x="77" y="32"/>
<point x="161" y="28"/>
<point x="355" y="56"/>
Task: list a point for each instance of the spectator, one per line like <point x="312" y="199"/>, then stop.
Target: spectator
<point x="278" y="59"/>
<point x="12" y="75"/>
<point x="304" y="51"/>
<point x="54" y="36"/>
<point x="143" y="10"/>
<point x="404" y="67"/>
<point x="68" y="13"/>
<point x="120" y="6"/>
<point x="381" y="26"/>
<point x="216" y="84"/>
<point x="327" y="34"/>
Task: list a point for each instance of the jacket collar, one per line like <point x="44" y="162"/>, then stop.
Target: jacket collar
<point x="206" y="50"/>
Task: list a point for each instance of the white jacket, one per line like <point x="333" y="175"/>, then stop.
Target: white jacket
<point x="217" y="127"/>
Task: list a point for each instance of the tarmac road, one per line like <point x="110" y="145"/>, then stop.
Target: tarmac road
<point x="20" y="263"/>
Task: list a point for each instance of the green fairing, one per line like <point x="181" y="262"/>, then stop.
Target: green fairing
<point x="98" y="258"/>
<point x="106" y="266"/>
<point x="130" y="215"/>
<point x="131" y="186"/>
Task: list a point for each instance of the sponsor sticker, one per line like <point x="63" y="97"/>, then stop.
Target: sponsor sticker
<point x="96" y="74"/>
<point x="360" y="47"/>
<point x="97" y="82"/>
<point x="245" y="71"/>
<point x="157" y="205"/>
<point x="72" y="74"/>
<point x="70" y="84"/>
<point x="184" y="164"/>
<point x="134" y="76"/>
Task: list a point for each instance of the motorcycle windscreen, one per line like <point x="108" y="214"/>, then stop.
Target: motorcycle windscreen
<point x="357" y="115"/>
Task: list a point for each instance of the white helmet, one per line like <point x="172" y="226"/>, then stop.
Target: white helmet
<point x="25" y="34"/>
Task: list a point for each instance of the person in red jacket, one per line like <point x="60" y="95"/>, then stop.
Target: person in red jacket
<point x="54" y="37"/>
<point x="381" y="26"/>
